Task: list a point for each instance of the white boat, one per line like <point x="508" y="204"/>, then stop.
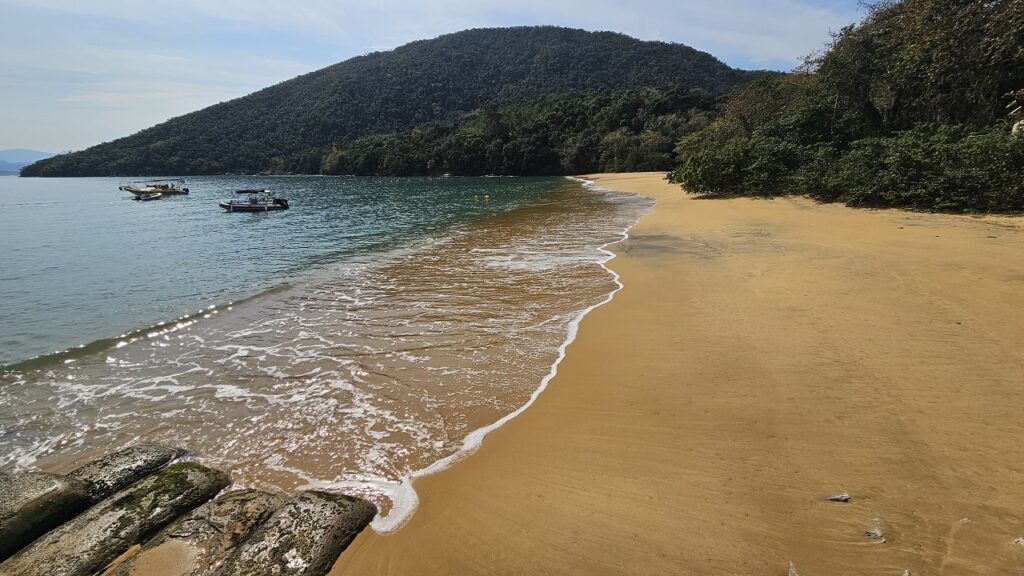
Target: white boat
<point x="165" y="187"/>
<point x="259" y="200"/>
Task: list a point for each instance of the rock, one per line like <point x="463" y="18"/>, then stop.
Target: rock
<point x="33" y="504"/>
<point x="201" y="541"/>
<point x="878" y="532"/>
<point x="90" y="541"/>
<point x="117" y="470"/>
<point x="303" y="538"/>
<point x="1018" y="128"/>
<point x="844" y="497"/>
<point x="875" y="534"/>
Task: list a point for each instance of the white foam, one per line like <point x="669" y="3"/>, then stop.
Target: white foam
<point x="403" y="496"/>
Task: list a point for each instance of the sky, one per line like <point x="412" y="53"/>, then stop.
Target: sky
<point x="74" y="73"/>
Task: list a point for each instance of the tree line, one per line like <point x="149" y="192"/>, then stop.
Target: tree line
<point x="913" y="107"/>
<point x="632" y="130"/>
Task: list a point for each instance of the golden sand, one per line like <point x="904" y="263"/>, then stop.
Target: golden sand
<point x="764" y="355"/>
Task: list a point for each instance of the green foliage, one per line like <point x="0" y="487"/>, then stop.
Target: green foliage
<point x="562" y="134"/>
<point x="285" y="128"/>
<point x="947" y="61"/>
<point x="907" y="109"/>
<point x="931" y="167"/>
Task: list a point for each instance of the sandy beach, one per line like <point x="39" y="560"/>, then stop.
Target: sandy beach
<point x="763" y="355"/>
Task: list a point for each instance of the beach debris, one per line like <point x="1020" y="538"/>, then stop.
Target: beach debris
<point x="1019" y="542"/>
<point x="844" y="497"/>
<point x="210" y="533"/>
<point x="906" y="573"/>
<point x="33" y="504"/>
<point x="792" y="570"/>
<point x="118" y="470"/>
<point x="306" y="535"/>
<point x="876" y="533"/>
<point x="90" y="541"/>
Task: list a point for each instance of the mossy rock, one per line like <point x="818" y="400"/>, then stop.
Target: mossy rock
<point x="89" y="542"/>
<point x="203" y="539"/>
<point x="303" y="538"/>
<point x="120" y="469"/>
<point x="33" y="504"/>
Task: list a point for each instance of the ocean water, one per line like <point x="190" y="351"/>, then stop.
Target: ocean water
<point x="373" y="333"/>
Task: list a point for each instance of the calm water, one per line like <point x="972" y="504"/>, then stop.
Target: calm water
<point x="352" y="342"/>
<point x="81" y="262"/>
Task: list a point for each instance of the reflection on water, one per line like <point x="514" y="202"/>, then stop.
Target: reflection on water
<point x="355" y="377"/>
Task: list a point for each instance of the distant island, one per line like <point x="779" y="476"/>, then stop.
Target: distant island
<point x="12" y="160"/>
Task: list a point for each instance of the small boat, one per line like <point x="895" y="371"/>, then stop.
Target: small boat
<point x="165" y="187"/>
<point x="146" y="197"/>
<point x="261" y="200"/>
<point x="253" y="191"/>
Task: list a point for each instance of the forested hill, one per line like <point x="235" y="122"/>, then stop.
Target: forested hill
<point x="289" y="126"/>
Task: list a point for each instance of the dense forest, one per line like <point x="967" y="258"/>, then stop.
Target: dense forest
<point x="562" y="134"/>
<point x="290" y="126"/>
<point x="913" y="107"/>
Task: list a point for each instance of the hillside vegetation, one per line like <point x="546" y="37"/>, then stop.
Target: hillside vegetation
<point x="913" y="107"/>
<point x="564" y="134"/>
<point x="289" y="127"/>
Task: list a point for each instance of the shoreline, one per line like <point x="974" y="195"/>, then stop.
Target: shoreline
<point x="571" y="225"/>
<point x="763" y="355"/>
<point x="405" y="500"/>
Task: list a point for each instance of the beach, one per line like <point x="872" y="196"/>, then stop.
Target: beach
<point x="762" y="356"/>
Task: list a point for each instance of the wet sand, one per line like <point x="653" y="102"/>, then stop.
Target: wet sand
<point x="763" y="355"/>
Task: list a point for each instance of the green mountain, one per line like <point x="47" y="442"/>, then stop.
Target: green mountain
<point x="290" y="126"/>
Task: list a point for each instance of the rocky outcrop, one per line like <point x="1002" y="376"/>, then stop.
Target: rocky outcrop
<point x="118" y="469"/>
<point x="132" y="514"/>
<point x="200" y="542"/>
<point x="33" y="504"/>
<point x="303" y="538"/>
<point x="89" y="542"/>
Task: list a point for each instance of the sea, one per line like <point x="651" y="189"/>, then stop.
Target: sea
<point x="373" y="333"/>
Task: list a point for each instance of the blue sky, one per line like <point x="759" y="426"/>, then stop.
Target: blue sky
<point x="76" y="73"/>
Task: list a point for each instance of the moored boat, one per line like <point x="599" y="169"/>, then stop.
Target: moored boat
<point x="164" y="187"/>
<point x="260" y="200"/>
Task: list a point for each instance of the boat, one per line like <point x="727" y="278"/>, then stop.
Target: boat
<point x="165" y="187"/>
<point x="260" y="200"/>
<point x="147" y="196"/>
